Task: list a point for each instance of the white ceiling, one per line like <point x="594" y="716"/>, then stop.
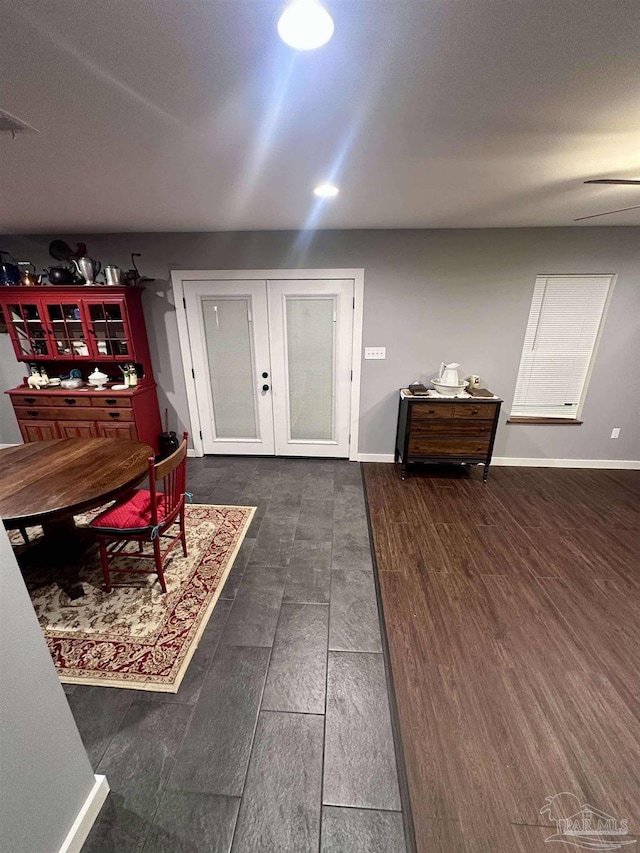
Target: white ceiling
<point x="163" y="115"/>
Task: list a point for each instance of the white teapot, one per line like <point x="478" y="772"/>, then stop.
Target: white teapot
<point x="449" y="374"/>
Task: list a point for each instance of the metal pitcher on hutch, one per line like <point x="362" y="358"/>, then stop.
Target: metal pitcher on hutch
<point x="87" y="268"/>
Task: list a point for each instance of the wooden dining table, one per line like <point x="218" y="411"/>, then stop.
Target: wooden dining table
<point x="48" y="482"/>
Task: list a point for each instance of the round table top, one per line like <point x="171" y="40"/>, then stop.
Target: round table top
<point x="42" y="480"/>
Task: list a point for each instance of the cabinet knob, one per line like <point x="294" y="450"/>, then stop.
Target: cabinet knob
<point x="474" y="411"/>
<point x="111" y="402"/>
<point x="32" y="413"/>
<point x="29" y="400"/>
<point x="265" y="387"/>
<point x="70" y="401"/>
<point x="432" y="411"/>
<point x="114" y="414"/>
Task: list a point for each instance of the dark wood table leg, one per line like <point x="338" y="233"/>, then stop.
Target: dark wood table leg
<point x="64" y="549"/>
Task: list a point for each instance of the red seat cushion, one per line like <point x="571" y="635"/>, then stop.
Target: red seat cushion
<point x="133" y="515"/>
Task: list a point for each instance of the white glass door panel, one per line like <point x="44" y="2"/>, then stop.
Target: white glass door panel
<point x="228" y="329"/>
<point x="310" y="329"/>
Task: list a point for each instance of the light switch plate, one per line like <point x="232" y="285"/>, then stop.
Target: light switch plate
<point x="615" y="432"/>
<point x="375" y="352"/>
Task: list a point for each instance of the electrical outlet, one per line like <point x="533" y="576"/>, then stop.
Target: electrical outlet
<point x="375" y="352"/>
<point x="615" y="433"/>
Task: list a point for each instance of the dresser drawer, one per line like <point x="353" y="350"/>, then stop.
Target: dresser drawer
<point x="32" y="400"/>
<point x="112" y="402"/>
<point x="454" y="427"/>
<point x="73" y="413"/>
<point x="424" y="411"/>
<point x="481" y="411"/>
<point x="466" y="447"/>
<point x="70" y="401"/>
<point x="115" y="415"/>
<point x="56" y="414"/>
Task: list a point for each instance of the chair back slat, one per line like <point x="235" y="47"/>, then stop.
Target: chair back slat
<point x="167" y="465"/>
<point x="172" y="471"/>
<point x="153" y="492"/>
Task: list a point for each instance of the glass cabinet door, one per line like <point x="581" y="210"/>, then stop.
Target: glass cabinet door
<point x="69" y="337"/>
<point x="109" y="329"/>
<point x="28" y="330"/>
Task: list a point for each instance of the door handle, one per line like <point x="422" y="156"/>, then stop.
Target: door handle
<point x="265" y="387"/>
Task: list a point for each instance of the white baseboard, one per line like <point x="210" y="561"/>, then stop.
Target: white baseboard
<point x="191" y="453"/>
<point x="375" y="457"/>
<point x="532" y="462"/>
<point x="86" y="817"/>
<point x="2" y="446"/>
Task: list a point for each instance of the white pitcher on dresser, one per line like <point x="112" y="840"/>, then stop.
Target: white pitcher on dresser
<point x="449" y="373"/>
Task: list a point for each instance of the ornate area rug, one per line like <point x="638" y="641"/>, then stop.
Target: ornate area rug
<point x="135" y="636"/>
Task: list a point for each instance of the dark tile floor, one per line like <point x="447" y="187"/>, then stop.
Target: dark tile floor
<point x="279" y="739"/>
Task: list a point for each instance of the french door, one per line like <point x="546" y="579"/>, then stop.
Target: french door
<point x="272" y="364"/>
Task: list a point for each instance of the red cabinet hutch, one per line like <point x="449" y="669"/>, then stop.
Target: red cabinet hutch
<point x="83" y="327"/>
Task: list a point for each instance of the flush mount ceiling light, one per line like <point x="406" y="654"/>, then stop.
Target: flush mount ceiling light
<point x="305" y="25"/>
<point x="326" y="191"/>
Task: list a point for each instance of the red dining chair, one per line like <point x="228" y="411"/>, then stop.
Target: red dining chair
<point x="148" y="516"/>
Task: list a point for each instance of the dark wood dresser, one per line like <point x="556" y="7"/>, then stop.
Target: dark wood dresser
<point x="444" y="429"/>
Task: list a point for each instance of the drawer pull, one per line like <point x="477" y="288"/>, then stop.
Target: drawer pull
<point x="32" y="413"/>
<point x="29" y="400"/>
<point x="111" y="402"/>
<point x="432" y="411"/>
<point x="474" y="411"/>
<point x="70" y="401"/>
<point x="114" y="414"/>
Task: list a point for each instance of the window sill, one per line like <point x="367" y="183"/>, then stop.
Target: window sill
<point x="545" y="421"/>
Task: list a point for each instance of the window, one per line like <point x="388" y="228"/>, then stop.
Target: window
<point x="564" y="324"/>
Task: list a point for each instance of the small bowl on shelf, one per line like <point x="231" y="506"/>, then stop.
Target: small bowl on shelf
<point x="71" y="384"/>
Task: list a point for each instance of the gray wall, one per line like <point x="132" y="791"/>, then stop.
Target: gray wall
<point x="430" y="296"/>
<point x="44" y="770"/>
<point x="11" y="373"/>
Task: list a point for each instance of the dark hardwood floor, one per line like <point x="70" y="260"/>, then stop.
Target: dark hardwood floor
<point x="511" y="611"/>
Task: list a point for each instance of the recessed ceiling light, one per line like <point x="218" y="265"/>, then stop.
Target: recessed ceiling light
<point x="305" y="25"/>
<point x="326" y="191"/>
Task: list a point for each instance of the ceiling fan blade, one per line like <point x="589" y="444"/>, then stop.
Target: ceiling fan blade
<point x="608" y="213"/>
<point x="623" y="181"/>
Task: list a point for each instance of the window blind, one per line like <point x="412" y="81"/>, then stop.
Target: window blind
<point x="311" y="358"/>
<point x="559" y="344"/>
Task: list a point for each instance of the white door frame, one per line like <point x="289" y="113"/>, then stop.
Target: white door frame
<point x="180" y="279"/>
